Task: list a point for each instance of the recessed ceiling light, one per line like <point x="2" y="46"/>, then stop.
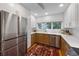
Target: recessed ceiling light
<point x="35" y="14"/>
<point x="61" y="5"/>
<point x="46" y="13"/>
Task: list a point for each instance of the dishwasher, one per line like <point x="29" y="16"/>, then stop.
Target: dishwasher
<point x="55" y="41"/>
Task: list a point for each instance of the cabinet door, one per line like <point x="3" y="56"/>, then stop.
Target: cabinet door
<point x="73" y="16"/>
<point x="64" y="47"/>
<point x="33" y="39"/>
<point x="77" y="12"/>
<point x="10" y="52"/>
<point x="40" y="38"/>
<point x="46" y="39"/>
<point x="70" y="17"/>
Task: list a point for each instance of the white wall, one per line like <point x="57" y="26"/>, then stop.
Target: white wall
<point x="33" y="21"/>
<point x="14" y="8"/>
<point x="51" y="18"/>
<point x="21" y="11"/>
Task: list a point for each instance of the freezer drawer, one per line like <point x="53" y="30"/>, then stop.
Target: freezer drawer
<point x="9" y="43"/>
<point x="10" y="52"/>
<point x="21" y="49"/>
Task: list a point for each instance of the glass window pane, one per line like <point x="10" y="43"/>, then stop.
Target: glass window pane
<point x="56" y="25"/>
<point x="49" y="25"/>
<point x="44" y="26"/>
<point x="39" y="25"/>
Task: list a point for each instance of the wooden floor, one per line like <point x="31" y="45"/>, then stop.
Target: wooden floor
<point x="43" y="50"/>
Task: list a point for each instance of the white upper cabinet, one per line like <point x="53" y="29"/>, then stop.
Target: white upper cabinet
<point x="70" y="16"/>
<point x="78" y="14"/>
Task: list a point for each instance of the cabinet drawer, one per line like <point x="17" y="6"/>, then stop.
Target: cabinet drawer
<point x="9" y="43"/>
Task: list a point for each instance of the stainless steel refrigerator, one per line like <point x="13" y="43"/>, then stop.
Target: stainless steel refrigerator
<point x="12" y="34"/>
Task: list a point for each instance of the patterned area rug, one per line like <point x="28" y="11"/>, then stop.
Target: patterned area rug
<point x="42" y="50"/>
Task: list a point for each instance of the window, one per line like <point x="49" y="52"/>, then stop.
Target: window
<point x="44" y="25"/>
<point x="56" y="25"/>
<point x="49" y="25"/>
<point x="40" y="25"/>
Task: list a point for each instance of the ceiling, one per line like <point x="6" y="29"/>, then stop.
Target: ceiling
<point x="41" y="8"/>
